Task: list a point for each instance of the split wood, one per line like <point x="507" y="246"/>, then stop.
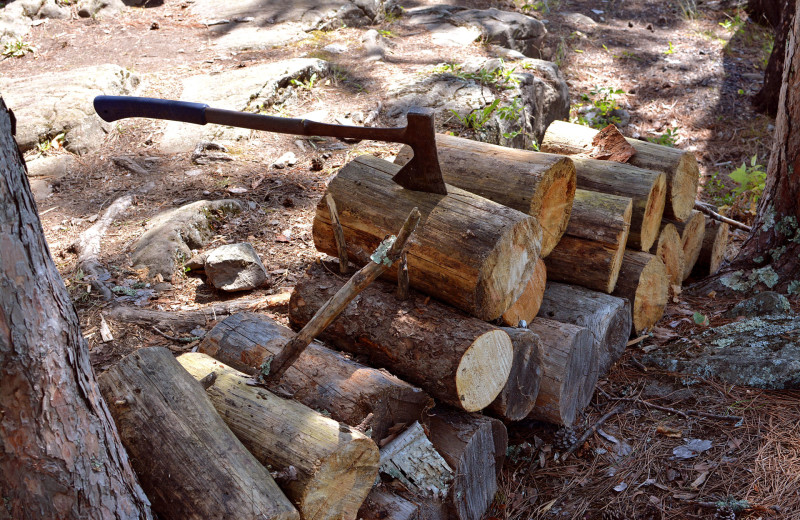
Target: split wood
<point x="402" y="278"/>
<point x="705" y="208"/>
<point x="274" y="367"/>
<point x="338" y="234"/>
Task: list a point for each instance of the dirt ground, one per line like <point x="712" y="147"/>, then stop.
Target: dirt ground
<point x="685" y="74"/>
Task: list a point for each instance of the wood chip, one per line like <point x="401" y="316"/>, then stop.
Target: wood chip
<point x="610" y="145"/>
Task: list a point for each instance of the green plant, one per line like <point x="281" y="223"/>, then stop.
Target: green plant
<point x="386" y="33"/>
<point x="17" y="48"/>
<point x="688" y="8"/>
<point x="603" y="101"/>
<point x="499" y="78"/>
<point x="307" y="84"/>
<point x="750" y="179"/>
<point x="733" y="23"/>
<point x="669" y="138"/>
<point x="477" y="118"/>
<point x="670" y="49"/>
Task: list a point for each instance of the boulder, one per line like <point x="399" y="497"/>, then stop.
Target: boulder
<point x="61" y="102"/>
<point x="52" y="167"/>
<point x="174" y="233"/>
<point x="766" y="303"/>
<point x="247" y="89"/>
<point x="16" y="17"/>
<point x="235" y="267"/>
<point x="95" y="8"/>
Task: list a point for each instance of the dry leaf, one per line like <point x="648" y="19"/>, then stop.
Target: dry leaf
<point x="668" y="431"/>
<point x="699" y="481"/>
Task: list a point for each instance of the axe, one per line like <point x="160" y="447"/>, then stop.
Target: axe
<point x="422" y="173"/>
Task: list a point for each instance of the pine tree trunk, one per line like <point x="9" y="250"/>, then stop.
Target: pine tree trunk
<point x="62" y="456"/>
<point x="779" y="16"/>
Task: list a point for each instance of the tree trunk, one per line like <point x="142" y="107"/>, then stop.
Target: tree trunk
<point x="537" y="184"/>
<point x="692" y="231"/>
<point x="459" y="360"/>
<point x="779" y="15"/>
<point x="190" y="463"/>
<point x="670" y="251"/>
<point x="527" y="305"/>
<point x="714" y="246"/>
<point x="683" y="174"/>
<point x="607" y="317"/>
<point x="590" y="253"/>
<point x="467" y="251"/>
<point x="320" y="378"/>
<point x="518" y="397"/>
<point x="62" y="457"/>
<point x="335" y="465"/>
<point x="643" y="282"/>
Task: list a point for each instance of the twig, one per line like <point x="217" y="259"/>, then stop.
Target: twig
<point x="716" y="216"/>
<point x="402" y="278"/>
<point x="176" y="338"/>
<point x="588" y="433"/>
<point x="274" y="367"/>
<point x="685" y="414"/>
<point x="638" y="364"/>
<point x="338" y="234"/>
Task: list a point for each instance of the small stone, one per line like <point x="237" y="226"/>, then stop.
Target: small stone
<point x="235" y="267"/>
<point x="287" y="159"/>
<point x="335" y="48"/>
<point x="154" y="26"/>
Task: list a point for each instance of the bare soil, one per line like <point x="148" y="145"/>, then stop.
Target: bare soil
<point x="690" y="75"/>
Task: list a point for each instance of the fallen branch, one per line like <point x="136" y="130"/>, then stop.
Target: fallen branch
<point x="705" y="208"/>
<point x="588" y="433"/>
<point x="683" y="413"/>
<point x="273" y="368"/>
<point x="188" y="339"/>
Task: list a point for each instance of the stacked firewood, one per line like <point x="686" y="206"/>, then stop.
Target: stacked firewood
<point x="526" y="281"/>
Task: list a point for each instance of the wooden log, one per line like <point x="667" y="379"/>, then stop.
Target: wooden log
<point x="569" y="370"/>
<point x="468" y="444"/>
<point x="712" y="253"/>
<point x="537" y="184"/>
<point x="607" y="317"/>
<point x="692" y="232"/>
<point x="457" y="359"/>
<point x="335" y="465"/>
<point x="590" y="253"/>
<point x="527" y="305"/>
<point x="189" y="463"/>
<point x="382" y="504"/>
<point x="321" y="378"/>
<point x="646" y="188"/>
<point x="643" y="282"/>
<point x="412" y="459"/>
<point x="470" y="252"/>
<point x="518" y="396"/>
<point x="670" y="250"/>
<point x="679" y="166"/>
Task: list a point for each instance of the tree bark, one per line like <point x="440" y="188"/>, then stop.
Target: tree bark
<point x="335" y="465"/>
<point x="607" y="317"/>
<point x="321" y="378"/>
<point x="590" y="253"/>
<point x="680" y="167"/>
<point x="670" y="251"/>
<point x="712" y="252"/>
<point x="692" y="231"/>
<point x="643" y="282"/>
<point x="537" y="184"/>
<point x="62" y="456"/>
<point x="468" y="251"/>
<point x="459" y="360"/>
<point x="190" y="463"/>
<point x="382" y="504"/>
<point x="518" y="396"/>
<point x="527" y="305"/>
<point x="779" y="15"/>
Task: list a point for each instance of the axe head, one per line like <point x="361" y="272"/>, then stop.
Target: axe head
<point x="422" y="172"/>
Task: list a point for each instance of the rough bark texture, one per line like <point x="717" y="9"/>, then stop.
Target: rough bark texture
<point x="62" y="456"/>
<point x="692" y="231"/>
<point x="527" y="305"/>
<point x="191" y="465"/>
<point x="382" y="504"/>
<point x="779" y="15"/>
<point x="537" y="184"/>
<point x="590" y="253"/>
<point x="680" y="167"/>
<point x="321" y="378"/>
<point x="336" y="465"/>
<point x="457" y="359"/>
<point x="468" y="251"/>
<point x="518" y="397"/>
<point x="670" y="251"/>
<point x="643" y="282"/>
<point x="712" y="252"/>
<point x="607" y="317"/>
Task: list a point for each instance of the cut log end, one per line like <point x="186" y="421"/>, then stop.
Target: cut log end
<point x="694" y="230"/>
<point x="670" y="251"/>
<point x="651" y="295"/>
<point x="487" y="360"/>
<point x="654" y="210"/>
<point x="552" y="209"/>
<point x="527" y="305"/>
<point x="719" y="247"/>
<point x="683" y="187"/>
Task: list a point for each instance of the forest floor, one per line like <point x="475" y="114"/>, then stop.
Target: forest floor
<point x="683" y="71"/>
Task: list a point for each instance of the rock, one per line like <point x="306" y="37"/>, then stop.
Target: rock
<point x="287" y="159"/>
<point x="762" y="352"/>
<point x="41" y="189"/>
<point x="766" y="303"/>
<point x="16" y="18"/>
<point x="174" y="233"/>
<point x="61" y="102"/>
<point x="375" y="45"/>
<point x="247" y="89"/>
<point x="207" y="152"/>
<point x="580" y="19"/>
<point x="537" y="96"/>
<point x="53" y="167"/>
<point x="92" y="8"/>
<point x="235" y="267"/>
<point x="335" y="48"/>
<point x="197" y="263"/>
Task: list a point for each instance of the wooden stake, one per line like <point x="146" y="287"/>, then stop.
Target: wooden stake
<point x="338" y="234"/>
<point x="383" y="258"/>
<point x="402" y="278"/>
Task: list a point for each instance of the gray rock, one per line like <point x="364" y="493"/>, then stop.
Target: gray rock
<point x="235" y="267"/>
<point x="335" y="48"/>
<point x="197" y="263"/>
<point x="41" y="189"/>
<point x="16" y="17"/>
<point x="375" y="45"/>
<point x="206" y="152"/>
<point x="247" y="89"/>
<point x="56" y="102"/>
<point x="762" y="304"/>
<point x="53" y="167"/>
<point x="287" y="159"/>
<point x="174" y="233"/>
<point x="762" y="352"/>
<point x="580" y="19"/>
<point x="92" y="8"/>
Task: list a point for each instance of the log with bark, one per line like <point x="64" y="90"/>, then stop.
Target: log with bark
<point x="590" y="253"/>
<point x="471" y="444"/>
<point x="412" y="459"/>
<point x="643" y="282"/>
<point x="518" y="396"/>
<point x="680" y="166"/>
<point x="457" y="359"/>
<point x="692" y="232"/>
<point x="670" y="250"/>
<point x="189" y="462"/>
<point x="468" y="251"/>
<point x="712" y="252"/>
<point x="334" y="465"/>
<point x="382" y="504"/>
<point x="537" y="184"/>
<point x="527" y="305"/>
<point x="607" y="317"/>
<point x="321" y="379"/>
<point x="569" y="370"/>
<point x="646" y="188"/>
